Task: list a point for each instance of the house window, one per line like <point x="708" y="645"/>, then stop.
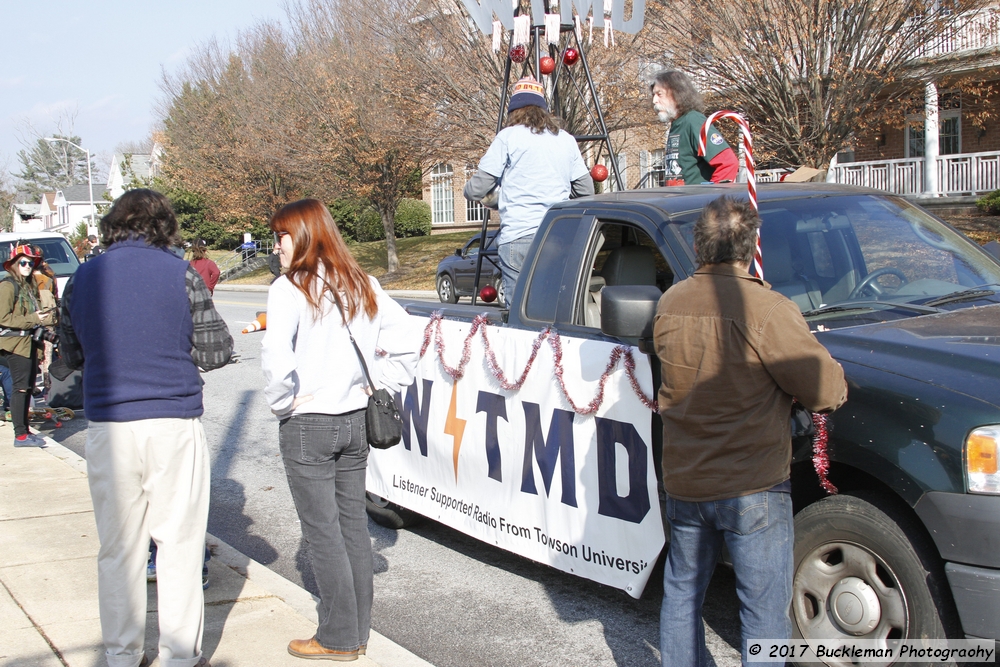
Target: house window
<point x="474" y="211"/>
<point x="63" y="215"/>
<point x="622" y="168"/>
<point x="442" y="195"/>
<point x="915" y="136"/>
<point x="658" y="168"/>
<point x="949" y="134"/>
<point x="652" y="172"/>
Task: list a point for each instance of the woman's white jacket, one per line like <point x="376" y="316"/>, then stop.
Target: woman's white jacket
<point x="304" y="355"/>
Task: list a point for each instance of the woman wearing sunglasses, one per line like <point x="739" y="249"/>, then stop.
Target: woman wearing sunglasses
<point x="316" y="389"/>
<point x="20" y="314"/>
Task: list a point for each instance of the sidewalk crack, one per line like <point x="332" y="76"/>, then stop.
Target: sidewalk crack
<point x="37" y="627"/>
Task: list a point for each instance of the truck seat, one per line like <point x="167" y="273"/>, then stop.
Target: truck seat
<point x="785" y="278"/>
<point x="592" y="317"/>
<point x="630" y="265"/>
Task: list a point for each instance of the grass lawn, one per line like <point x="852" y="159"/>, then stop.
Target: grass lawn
<point x="261" y="276"/>
<point x="979" y="228"/>
<point x="418" y="260"/>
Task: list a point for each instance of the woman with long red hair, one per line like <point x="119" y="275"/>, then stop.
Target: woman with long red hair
<point x="316" y="388"/>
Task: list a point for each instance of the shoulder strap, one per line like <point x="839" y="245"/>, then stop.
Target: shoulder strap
<point x="17" y="287"/>
<point x="361" y="358"/>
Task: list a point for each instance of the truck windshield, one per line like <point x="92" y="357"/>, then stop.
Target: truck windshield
<point x="862" y="248"/>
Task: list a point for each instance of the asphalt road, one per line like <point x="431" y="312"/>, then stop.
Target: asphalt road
<point x="450" y="599"/>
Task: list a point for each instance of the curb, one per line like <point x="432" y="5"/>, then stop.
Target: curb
<point x="387" y="652"/>
<point x="412" y="294"/>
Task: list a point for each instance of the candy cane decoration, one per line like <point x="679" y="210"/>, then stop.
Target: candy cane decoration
<point x="821" y="456"/>
<point x="758" y="262"/>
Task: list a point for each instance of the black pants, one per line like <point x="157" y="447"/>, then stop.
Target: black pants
<point x="22" y="373"/>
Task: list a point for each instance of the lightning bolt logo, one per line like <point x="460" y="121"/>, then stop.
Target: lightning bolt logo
<point x="454" y="426"/>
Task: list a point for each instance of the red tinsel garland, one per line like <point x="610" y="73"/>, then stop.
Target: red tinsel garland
<point x="821" y="458"/>
<point x="433" y="331"/>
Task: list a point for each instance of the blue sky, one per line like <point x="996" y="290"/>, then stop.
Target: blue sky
<point x="103" y="59"/>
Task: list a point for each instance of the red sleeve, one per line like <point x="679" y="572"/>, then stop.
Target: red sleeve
<point x="213" y="275"/>
<point x="726" y="166"/>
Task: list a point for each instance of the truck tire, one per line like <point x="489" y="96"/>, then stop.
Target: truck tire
<point x="863" y="572"/>
<point x="446" y="289"/>
<point x="389" y="515"/>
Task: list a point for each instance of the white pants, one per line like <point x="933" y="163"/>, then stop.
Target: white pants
<point x="150" y="478"/>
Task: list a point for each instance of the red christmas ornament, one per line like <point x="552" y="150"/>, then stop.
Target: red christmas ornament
<point x="488" y="294"/>
<point x="547" y="65"/>
<point x="599" y="173"/>
<point x="571" y="56"/>
<point x="518" y="53"/>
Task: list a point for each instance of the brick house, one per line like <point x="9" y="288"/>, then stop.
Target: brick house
<point x="931" y="151"/>
<point x="935" y="150"/>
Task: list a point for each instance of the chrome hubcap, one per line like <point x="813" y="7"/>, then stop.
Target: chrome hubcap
<point x="844" y="590"/>
<point x="855" y="607"/>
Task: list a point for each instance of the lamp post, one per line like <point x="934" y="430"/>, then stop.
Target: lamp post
<point x="92" y="227"/>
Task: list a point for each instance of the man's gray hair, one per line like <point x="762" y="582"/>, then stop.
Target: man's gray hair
<point x="686" y="96"/>
<point x="726" y="232"/>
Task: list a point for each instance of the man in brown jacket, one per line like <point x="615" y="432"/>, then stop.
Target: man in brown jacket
<point x="733" y="354"/>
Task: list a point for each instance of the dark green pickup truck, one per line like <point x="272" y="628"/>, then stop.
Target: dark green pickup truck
<point x="910" y="547"/>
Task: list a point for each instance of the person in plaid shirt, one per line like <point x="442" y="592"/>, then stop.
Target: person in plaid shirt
<point x="140" y="322"/>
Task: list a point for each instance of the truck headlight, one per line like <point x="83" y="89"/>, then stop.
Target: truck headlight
<point x="981" y="449"/>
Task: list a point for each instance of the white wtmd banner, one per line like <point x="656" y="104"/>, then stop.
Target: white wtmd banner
<point x="520" y="469"/>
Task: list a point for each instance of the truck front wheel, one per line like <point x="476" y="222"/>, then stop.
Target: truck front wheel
<point x="864" y="573"/>
<point x="389" y="515"/>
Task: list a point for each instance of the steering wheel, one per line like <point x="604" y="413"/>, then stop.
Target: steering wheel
<point x="871" y="282"/>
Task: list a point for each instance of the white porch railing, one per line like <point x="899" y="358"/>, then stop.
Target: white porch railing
<point x="969" y="174"/>
<point x="974" y="30"/>
<point x="901" y="177"/>
<point x="771" y="175"/>
<point x="960" y="174"/>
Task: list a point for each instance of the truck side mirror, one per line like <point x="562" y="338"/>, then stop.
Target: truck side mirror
<point x="627" y="310"/>
<point x="993" y="248"/>
<point x="458" y="252"/>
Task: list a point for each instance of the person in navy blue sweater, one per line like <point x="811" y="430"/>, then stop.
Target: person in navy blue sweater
<point x="140" y="322"/>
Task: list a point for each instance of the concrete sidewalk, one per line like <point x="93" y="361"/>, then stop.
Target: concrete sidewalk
<point x="48" y="581"/>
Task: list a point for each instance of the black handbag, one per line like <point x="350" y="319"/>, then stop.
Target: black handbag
<point x="66" y="390"/>
<point x="382" y="423"/>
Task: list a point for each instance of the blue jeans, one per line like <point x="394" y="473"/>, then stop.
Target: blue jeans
<point x="511" y="259"/>
<point x="326" y="457"/>
<point x="758" y="530"/>
<point x="8" y="386"/>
